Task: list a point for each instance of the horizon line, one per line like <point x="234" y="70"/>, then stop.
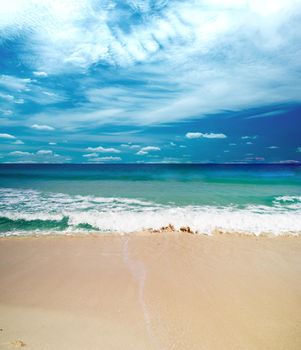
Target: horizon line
<point x="192" y="163"/>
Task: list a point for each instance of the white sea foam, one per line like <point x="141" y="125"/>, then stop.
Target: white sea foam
<point x="288" y="199"/>
<point x="289" y="202"/>
<point x="203" y="220"/>
<point x="128" y="215"/>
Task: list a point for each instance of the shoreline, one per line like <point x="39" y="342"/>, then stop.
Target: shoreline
<point x="150" y="291"/>
<point x="186" y="230"/>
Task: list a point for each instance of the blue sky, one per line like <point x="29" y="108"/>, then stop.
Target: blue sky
<point x="150" y="81"/>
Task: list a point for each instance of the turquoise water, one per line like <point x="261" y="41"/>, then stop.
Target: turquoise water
<point x="60" y="198"/>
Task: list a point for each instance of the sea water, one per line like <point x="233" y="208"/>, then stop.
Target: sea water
<point x="60" y="198"/>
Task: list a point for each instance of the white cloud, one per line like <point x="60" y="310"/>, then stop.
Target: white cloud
<point x="101" y="149"/>
<point x="147" y="149"/>
<point x="42" y="155"/>
<point x="19" y="142"/>
<point x="42" y="127"/>
<point x="40" y="74"/>
<point x="194" y="135"/>
<point x="7" y="136"/>
<point x="249" y="143"/>
<point x="47" y="93"/>
<point x="177" y="47"/>
<point x="90" y="155"/>
<point x="10" y="98"/>
<point x="40" y="96"/>
<point x="199" y="135"/>
<point x="52" y="143"/>
<point x="14" y="83"/>
<point x="20" y="153"/>
<point x="214" y="136"/>
<point x="67" y="32"/>
<point x="299" y="149"/>
<point x="19" y="90"/>
<point x="150" y="148"/>
<point x="129" y="145"/>
<point x="273" y="147"/>
<point x="6" y="112"/>
<point x="141" y="153"/>
<point x="254" y="137"/>
<point x="44" y="152"/>
<point x="7" y="97"/>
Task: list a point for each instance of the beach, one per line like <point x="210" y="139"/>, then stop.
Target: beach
<point x="150" y="291"/>
<point x="150" y="175"/>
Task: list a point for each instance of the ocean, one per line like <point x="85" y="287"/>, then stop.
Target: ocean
<point x="62" y="198"/>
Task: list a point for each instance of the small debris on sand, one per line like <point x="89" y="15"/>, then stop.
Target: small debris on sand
<point x="18" y="344"/>
<point x="169" y="228"/>
<point x="186" y="229"/>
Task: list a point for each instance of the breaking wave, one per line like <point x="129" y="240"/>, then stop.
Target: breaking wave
<point x="24" y="211"/>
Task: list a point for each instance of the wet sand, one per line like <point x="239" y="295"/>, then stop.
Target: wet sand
<point x="150" y="291"/>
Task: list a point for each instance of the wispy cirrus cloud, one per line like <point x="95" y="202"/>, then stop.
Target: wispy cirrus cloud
<point x="88" y="64"/>
<point x="69" y="31"/>
<point x="14" y="83"/>
<point x="11" y="98"/>
<point x="15" y="92"/>
<point x="193" y="56"/>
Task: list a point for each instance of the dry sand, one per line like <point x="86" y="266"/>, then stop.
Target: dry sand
<point x="150" y="291"/>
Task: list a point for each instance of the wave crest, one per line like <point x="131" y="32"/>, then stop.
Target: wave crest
<point x="28" y="210"/>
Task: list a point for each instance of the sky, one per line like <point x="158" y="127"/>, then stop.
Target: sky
<point x="150" y="81"/>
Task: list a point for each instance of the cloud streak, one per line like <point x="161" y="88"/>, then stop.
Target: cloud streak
<point x="42" y="127"/>
<point x="105" y="159"/>
<point x="7" y="136"/>
<point x="145" y="150"/>
<point x="199" y="135"/>
<point x="101" y="149"/>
